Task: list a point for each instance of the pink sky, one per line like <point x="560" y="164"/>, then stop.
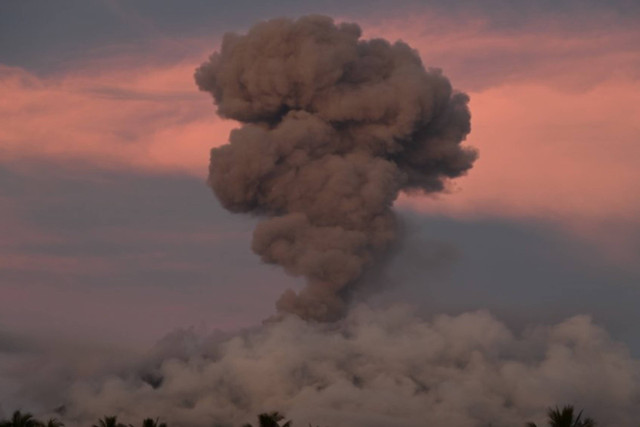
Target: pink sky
<point x="556" y="117"/>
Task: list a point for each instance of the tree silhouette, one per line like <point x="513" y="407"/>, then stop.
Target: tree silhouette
<point x="271" y="419"/>
<point x="150" y="422"/>
<point x="108" y="422"/>
<point x="19" y="419"/>
<point x="53" y="422"/>
<point x="565" y="418"/>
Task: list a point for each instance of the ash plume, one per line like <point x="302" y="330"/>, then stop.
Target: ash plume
<point x="333" y="128"/>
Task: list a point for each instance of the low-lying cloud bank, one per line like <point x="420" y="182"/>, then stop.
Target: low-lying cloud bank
<point x="376" y="367"/>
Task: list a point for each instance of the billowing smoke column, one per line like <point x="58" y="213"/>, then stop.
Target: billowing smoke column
<point x="333" y="128"/>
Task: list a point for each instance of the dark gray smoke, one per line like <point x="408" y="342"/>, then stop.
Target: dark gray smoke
<point x="333" y="128"/>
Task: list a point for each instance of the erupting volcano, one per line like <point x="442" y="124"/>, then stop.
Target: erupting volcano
<point x="333" y="128"/>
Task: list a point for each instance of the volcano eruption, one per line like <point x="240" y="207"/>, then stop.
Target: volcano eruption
<point x="333" y="128"/>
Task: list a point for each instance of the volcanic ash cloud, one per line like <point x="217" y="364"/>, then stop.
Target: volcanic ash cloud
<point x="333" y="128"/>
<point x="373" y="368"/>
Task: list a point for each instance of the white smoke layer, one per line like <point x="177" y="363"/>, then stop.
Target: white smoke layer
<point x="384" y="367"/>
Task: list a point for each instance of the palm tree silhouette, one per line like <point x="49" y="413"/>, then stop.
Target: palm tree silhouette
<point x="18" y="419"/>
<point x="108" y="422"/>
<point x="150" y="422"/>
<point x="271" y="420"/>
<point x="565" y="418"/>
<point x="53" y="422"/>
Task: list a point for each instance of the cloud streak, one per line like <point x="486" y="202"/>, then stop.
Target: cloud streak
<point x="115" y="119"/>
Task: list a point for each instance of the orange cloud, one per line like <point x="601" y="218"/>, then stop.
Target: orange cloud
<point x="555" y="116"/>
<point x="477" y="55"/>
<point x="142" y="117"/>
<point x="552" y="154"/>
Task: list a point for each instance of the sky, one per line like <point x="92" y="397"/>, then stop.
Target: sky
<point x="110" y="236"/>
